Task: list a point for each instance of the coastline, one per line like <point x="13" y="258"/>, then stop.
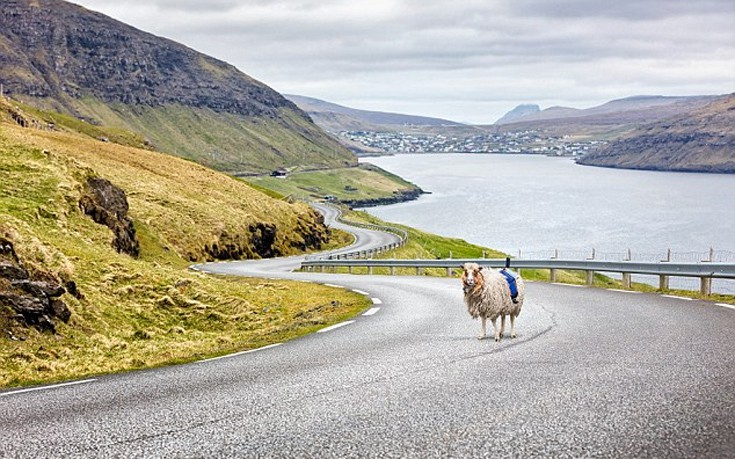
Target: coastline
<point x="396" y="198"/>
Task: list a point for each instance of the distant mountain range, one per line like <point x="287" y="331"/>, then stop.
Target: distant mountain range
<point x="336" y="118"/>
<point x="62" y="57"/>
<point x="606" y="121"/>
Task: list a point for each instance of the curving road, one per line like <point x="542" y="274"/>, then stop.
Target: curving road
<point x="593" y="373"/>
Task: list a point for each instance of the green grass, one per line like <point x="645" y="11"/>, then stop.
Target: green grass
<point x="360" y="183"/>
<point x="226" y="142"/>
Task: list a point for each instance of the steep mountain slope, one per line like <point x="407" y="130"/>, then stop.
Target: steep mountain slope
<point x="60" y="56"/>
<point x="702" y="140"/>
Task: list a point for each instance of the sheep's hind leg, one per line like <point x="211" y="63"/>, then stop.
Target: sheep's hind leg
<point x="484" y="328"/>
<point x="495" y="329"/>
<point x="502" y="325"/>
<point x="512" y="326"/>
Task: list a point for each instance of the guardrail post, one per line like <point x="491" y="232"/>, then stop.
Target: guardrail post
<point x="552" y="275"/>
<point x="449" y="272"/>
<point x="370" y="269"/>
<point x="663" y="282"/>
<point x="626" y="280"/>
<point x="349" y="269"/>
<point x="590" y="277"/>
<point x="392" y="270"/>
<point x="705" y="286"/>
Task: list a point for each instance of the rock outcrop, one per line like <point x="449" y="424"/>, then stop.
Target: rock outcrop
<point x="107" y="205"/>
<point x="32" y="300"/>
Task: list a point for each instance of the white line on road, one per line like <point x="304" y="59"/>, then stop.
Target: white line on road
<point x="725" y="305"/>
<point x="623" y="291"/>
<point x="334" y="285"/>
<point x="336" y="326"/>
<point x="250" y="351"/>
<point x="678" y="297"/>
<point x="360" y="292"/>
<point x="371" y="311"/>
<point x="377" y="301"/>
<point x="568" y="285"/>
<point x="35" y="389"/>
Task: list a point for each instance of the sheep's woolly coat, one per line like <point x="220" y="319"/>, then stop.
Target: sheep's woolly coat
<point x="490" y="296"/>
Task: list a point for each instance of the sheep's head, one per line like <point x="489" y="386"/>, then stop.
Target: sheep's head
<point x="471" y="277"/>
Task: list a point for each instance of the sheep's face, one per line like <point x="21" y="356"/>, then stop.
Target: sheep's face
<point x="471" y="276"/>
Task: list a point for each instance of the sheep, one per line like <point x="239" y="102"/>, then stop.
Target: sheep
<point x="487" y="296"/>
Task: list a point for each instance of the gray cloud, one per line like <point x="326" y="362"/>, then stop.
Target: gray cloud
<point x="471" y="60"/>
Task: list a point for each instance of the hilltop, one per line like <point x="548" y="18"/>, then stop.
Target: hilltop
<point x="61" y="57"/>
<point x="702" y="140"/>
<point x="520" y="112"/>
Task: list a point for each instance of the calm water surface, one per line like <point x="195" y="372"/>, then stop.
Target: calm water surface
<point x="536" y="204"/>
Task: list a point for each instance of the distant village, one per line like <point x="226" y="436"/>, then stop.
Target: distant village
<point x="526" y="142"/>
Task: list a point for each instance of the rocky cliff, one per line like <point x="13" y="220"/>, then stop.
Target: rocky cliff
<point x="702" y="140"/>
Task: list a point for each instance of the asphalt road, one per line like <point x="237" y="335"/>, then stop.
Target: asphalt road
<point x="593" y="373"/>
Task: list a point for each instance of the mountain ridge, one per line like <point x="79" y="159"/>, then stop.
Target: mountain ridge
<point x="321" y="111"/>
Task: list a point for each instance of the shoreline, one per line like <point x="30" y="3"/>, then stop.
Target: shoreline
<point x="397" y="198"/>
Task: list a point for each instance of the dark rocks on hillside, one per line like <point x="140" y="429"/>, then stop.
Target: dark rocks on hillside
<point x="259" y="242"/>
<point x="107" y="205"/>
<point x="30" y="300"/>
<point x="263" y="235"/>
<point x="314" y="233"/>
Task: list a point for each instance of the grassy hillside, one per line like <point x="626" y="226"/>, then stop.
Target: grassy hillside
<point x="223" y="141"/>
<point x="134" y="313"/>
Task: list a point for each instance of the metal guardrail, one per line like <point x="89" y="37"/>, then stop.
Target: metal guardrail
<point x="705" y="271"/>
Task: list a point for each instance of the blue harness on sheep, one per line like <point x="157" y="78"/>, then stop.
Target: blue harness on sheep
<point x="510" y="277"/>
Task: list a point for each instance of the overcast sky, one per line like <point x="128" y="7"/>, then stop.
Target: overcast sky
<point x="463" y="60"/>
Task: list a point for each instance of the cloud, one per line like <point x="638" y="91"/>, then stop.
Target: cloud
<point x="471" y="60"/>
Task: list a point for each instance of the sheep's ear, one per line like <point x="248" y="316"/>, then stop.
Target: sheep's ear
<point x="479" y="268"/>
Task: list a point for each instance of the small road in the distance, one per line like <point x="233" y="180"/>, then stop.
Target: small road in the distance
<point x="593" y="373"/>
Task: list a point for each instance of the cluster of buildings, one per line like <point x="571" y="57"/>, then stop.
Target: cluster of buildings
<point x="525" y="142"/>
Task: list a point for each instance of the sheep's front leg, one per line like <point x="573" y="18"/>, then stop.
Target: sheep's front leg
<point x="484" y="328"/>
<point x="496" y="333"/>
<point x="512" y="326"/>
